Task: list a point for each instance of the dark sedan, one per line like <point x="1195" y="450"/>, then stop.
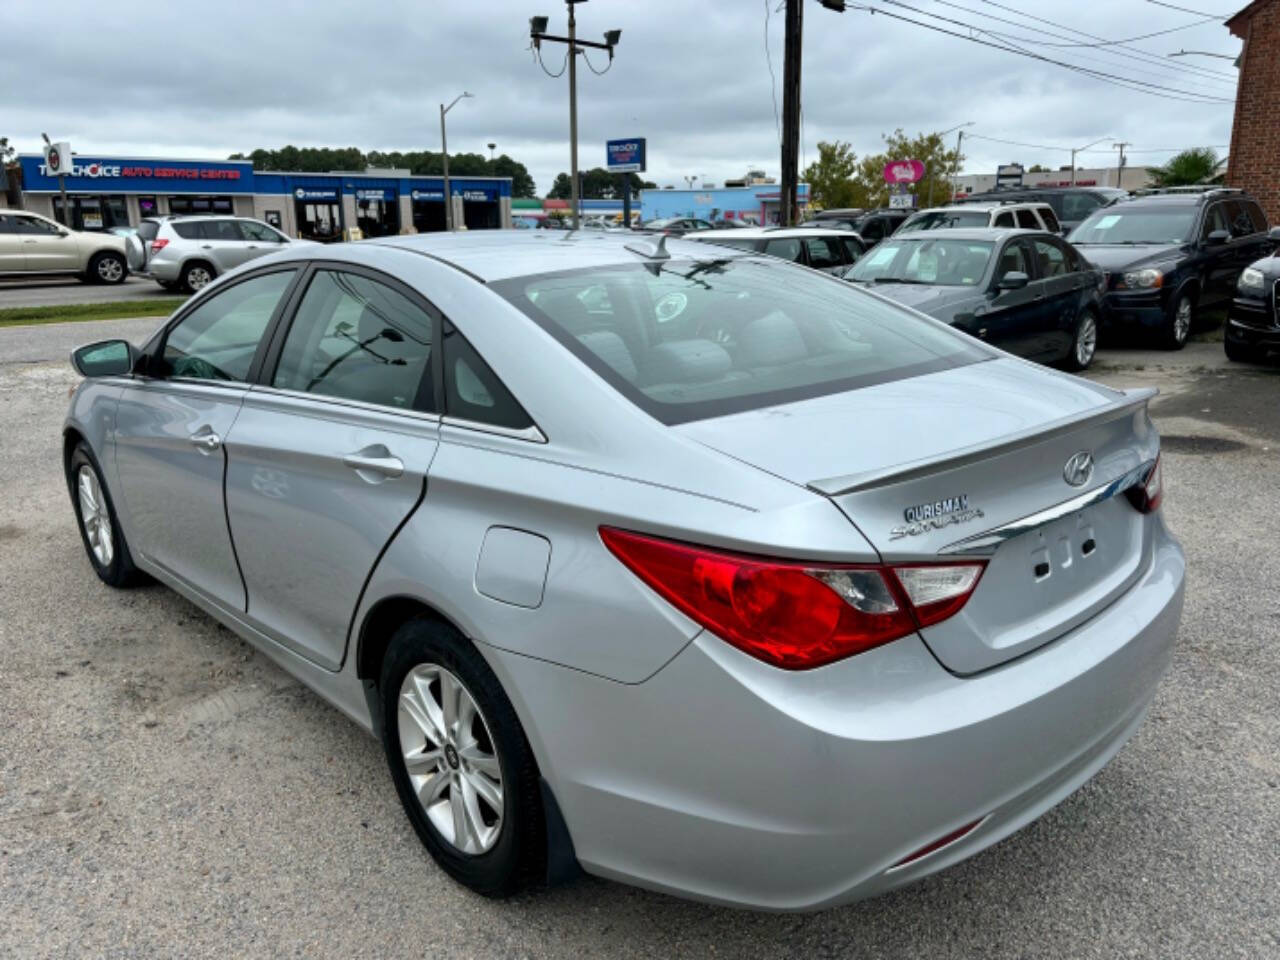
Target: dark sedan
<point x="1253" y="319"/>
<point x="1025" y="291"/>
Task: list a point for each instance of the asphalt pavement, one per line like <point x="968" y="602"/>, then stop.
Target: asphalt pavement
<point x="60" y="291"/>
<point x="166" y="791"/>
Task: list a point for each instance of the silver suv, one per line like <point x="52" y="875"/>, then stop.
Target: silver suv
<point x="185" y="253"/>
<point x="1025" y="216"/>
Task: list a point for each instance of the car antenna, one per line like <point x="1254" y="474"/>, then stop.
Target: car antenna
<point x="651" y="251"/>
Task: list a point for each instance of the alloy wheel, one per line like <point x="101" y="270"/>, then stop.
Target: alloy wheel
<point x="1182" y="320"/>
<point x="198" y="277"/>
<point x="450" y="758"/>
<point x="110" y="270"/>
<point x="1086" y="340"/>
<point x="95" y="516"/>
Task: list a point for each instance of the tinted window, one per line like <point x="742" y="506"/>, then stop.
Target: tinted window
<point x="852" y="249"/>
<point x="357" y="339"/>
<point x="219" y="230"/>
<point x="187" y="231"/>
<point x="1257" y="216"/>
<point x="1013" y="259"/>
<point x="259" y="232"/>
<point x="823" y="252"/>
<point x="472" y="391"/>
<point x="35" y="226"/>
<point x="1074" y="263"/>
<point x="1170" y="223"/>
<point x="872" y="229"/>
<point x="748" y="334"/>
<point x="1004" y="219"/>
<point x="905" y="259"/>
<point x="1051" y="259"/>
<point x="783" y="249"/>
<point x="1077" y="206"/>
<point x="7" y="224"/>
<point x="1027" y="220"/>
<point x="945" y="220"/>
<point x="1050" y="220"/>
<point x="1238" y="219"/>
<point x="217" y="340"/>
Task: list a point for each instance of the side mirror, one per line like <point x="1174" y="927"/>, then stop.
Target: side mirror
<point x="1274" y="234"/>
<point x="1217" y="237"/>
<point x="107" y="358"/>
<point x="1013" y="280"/>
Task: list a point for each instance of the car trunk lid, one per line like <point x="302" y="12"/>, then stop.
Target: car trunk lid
<point x="972" y="462"/>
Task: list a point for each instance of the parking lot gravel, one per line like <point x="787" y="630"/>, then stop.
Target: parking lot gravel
<point x="166" y="791"/>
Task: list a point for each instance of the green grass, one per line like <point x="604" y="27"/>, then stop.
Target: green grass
<point x="114" y="310"/>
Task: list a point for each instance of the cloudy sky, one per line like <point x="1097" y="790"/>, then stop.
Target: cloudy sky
<point x="183" y="80"/>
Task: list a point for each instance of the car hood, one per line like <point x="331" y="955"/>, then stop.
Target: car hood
<point x="878" y="428"/>
<point x="939" y="302"/>
<point x="1123" y="256"/>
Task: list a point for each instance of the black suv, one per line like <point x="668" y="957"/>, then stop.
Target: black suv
<point x="1071" y="204"/>
<point x="871" y="225"/>
<point x="1169" y="253"/>
<point x="1253" y="319"/>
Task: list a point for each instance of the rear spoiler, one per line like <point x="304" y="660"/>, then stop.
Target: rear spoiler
<point x="869" y="479"/>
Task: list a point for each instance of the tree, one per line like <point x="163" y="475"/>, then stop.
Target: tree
<point x="939" y="164"/>
<point x="1037" y="168"/>
<point x="597" y="184"/>
<point x="1197" y="165"/>
<point x="831" y="177"/>
<point x="7" y="153"/>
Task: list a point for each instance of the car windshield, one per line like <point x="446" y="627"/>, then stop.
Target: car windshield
<point x="686" y="340"/>
<point x="1137" y="225"/>
<point x="659" y="224"/>
<point x="945" y="220"/>
<point x="944" y="262"/>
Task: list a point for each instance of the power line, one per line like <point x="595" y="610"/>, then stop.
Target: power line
<point x="1172" y="93"/>
<point x="1141" y="36"/>
<point x="773" y="79"/>
<point x="1199" y="13"/>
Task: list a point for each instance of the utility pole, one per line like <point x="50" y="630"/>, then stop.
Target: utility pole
<point x="538" y="33"/>
<point x="1120" y="166"/>
<point x="792" y="47"/>
<point x="1076" y="150"/>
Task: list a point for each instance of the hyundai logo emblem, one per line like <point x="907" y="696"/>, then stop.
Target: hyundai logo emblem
<point x="1078" y="469"/>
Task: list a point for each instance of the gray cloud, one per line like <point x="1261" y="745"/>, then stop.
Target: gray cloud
<point x="180" y="80"/>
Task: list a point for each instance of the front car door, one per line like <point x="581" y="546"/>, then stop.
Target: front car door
<point x="222" y="242"/>
<point x="1248" y="237"/>
<point x="171" y="426"/>
<point x="12" y="254"/>
<point x="45" y="245"/>
<point x="259" y="239"/>
<point x="1219" y="271"/>
<point x="1010" y="320"/>
<point x="330" y="453"/>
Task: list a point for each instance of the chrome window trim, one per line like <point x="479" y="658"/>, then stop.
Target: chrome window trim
<point x="989" y="540"/>
<point x="532" y="434"/>
<point x="324" y="398"/>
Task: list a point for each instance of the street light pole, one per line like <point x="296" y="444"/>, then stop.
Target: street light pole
<point x="444" y="155"/>
<point x="1076" y="150"/>
<point x="960" y="127"/>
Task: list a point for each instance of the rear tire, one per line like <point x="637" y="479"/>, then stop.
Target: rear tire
<point x="1084" y="344"/>
<point x="1177" y="327"/>
<point x="100" y="532"/>
<point x="459" y="768"/>
<point x="108" y="268"/>
<point x="196" y="275"/>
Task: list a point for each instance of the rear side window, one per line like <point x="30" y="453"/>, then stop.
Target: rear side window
<point x="472" y="391"/>
<point x="354" y="338"/>
<point x="872" y="229"/>
<point x="852" y="250"/>
<point x="1027" y="220"/>
<point x="783" y="249"/>
<point x="735" y="243"/>
<point x="217" y="340"/>
<point x="1004" y="219"/>
<point x="823" y="252"/>
<point x="1256" y="215"/>
<point x="7" y="224"/>
<point x="687" y="340"/>
<point x="1077" y="206"/>
<point x="189" y="230"/>
<point x="1050" y="220"/>
<point x="1240" y="224"/>
<point x="219" y="230"/>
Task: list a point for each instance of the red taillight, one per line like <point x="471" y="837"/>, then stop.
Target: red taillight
<point x="159" y="244"/>
<point x="1148" y="496"/>
<point x="795" y="615"/>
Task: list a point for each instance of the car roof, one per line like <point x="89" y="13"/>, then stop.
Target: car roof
<point x="968" y="233"/>
<point x="490" y="255"/>
<point x="775" y="233"/>
<point x="986" y="205"/>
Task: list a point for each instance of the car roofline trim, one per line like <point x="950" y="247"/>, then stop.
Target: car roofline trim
<point x="430" y="256"/>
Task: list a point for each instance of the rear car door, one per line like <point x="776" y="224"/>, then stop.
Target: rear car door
<point x="45" y="246"/>
<point x="1011" y="320"/>
<point x="171" y="426"/>
<point x="1248" y="239"/>
<point x="1061" y="285"/>
<point x="330" y="453"/>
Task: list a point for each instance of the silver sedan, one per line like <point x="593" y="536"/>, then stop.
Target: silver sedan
<point x="681" y="565"/>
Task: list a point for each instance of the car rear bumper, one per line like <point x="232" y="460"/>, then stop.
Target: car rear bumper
<point x="727" y="780"/>
<point x="167" y="271"/>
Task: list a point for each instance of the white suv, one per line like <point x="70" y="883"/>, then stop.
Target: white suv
<point x="30" y="243"/>
<point x="1026" y="216"/>
<point x="185" y="253"/>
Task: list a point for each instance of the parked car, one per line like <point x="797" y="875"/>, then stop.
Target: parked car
<point x="871" y="225"/>
<point x="1170" y="254"/>
<point x="1026" y="292"/>
<point x="817" y="247"/>
<point x="36" y="245"/>
<point x="780" y="598"/>
<point x="1253" y="319"/>
<point x="1023" y="216"/>
<point x="186" y="253"/>
<point x="1071" y="204"/>
<point x="676" y="226"/>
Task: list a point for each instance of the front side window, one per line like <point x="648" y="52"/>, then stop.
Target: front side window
<point x="872" y="229"/>
<point x="1077" y="206"/>
<point x="823" y="252"/>
<point x="1137" y="225"/>
<point x="1050" y="220"/>
<point x="744" y="334"/>
<point x="219" y="230"/>
<point x="1241" y="225"/>
<point x="1027" y="220"/>
<point x="1257" y="216"/>
<point x="1013" y="259"/>
<point x="852" y="250"/>
<point x="1215" y="220"/>
<point x="1004" y="219"/>
<point x="258" y="232"/>
<point x="946" y="262"/>
<point x="354" y="338"/>
<point x="35" y="226"/>
<point x="1053" y="262"/>
<point x="784" y="249"/>
<point x="218" y="339"/>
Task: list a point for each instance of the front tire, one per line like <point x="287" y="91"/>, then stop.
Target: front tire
<point x="1084" y="344"/>
<point x="108" y="268"/>
<point x="1178" y="326"/>
<point x="99" y="529"/>
<point x="460" y="760"/>
<point x="196" y="276"/>
<point x="1242" y="352"/>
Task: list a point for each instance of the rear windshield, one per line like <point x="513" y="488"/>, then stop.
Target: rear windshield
<point x="945" y="220"/>
<point x="687" y="340"/>
<point x="148" y="229"/>
<point x="941" y="262"/>
<point x="1151" y="224"/>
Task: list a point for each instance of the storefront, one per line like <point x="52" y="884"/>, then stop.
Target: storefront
<point x="758" y="204"/>
<point x="106" y="192"/>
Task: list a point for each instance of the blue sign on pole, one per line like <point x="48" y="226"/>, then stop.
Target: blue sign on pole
<point x="625" y="156"/>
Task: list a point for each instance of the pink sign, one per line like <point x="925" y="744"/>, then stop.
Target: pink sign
<point x="903" y="171"/>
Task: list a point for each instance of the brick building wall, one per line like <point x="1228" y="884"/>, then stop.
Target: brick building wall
<point x="1254" y="161"/>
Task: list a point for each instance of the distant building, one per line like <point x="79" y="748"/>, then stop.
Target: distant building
<point x="1134" y="178"/>
<point x="1254" y="160"/>
<point x="756" y="204"/>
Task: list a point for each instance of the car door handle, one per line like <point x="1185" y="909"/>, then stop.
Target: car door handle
<point x="206" y="246"/>
<point x="374" y="460"/>
<point x="205" y="440"/>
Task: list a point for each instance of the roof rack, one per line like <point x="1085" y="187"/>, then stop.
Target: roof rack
<point x="1194" y="189"/>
